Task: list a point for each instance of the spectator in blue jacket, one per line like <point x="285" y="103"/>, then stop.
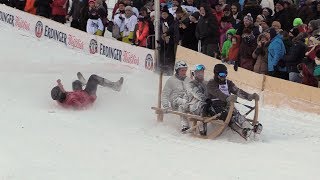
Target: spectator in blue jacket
<point x="276" y="53"/>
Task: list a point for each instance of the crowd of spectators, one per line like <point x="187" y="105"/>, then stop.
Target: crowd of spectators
<point x="278" y="38"/>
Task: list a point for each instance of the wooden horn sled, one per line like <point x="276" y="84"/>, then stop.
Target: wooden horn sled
<point x="218" y="124"/>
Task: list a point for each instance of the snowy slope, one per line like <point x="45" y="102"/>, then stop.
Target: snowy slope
<point x="119" y="138"/>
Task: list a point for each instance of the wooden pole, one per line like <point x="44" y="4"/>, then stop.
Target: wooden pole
<point x="256" y="113"/>
<point x="160" y="115"/>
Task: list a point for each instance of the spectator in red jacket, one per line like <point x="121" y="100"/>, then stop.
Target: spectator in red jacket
<point x="30" y="7"/>
<point x="142" y="32"/>
<point x="59" y="10"/>
<point x="80" y="98"/>
<point x="307" y="76"/>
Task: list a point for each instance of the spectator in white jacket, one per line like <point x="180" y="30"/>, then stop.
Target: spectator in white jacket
<point x="175" y="90"/>
<point x="129" y="25"/>
<point x="94" y="23"/>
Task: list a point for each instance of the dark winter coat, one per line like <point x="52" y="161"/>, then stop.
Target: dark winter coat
<point x="247" y="46"/>
<point x="6" y="2"/>
<point x="83" y="19"/>
<point x="295" y="56"/>
<point x="236" y="24"/>
<point x="168" y="43"/>
<point x="76" y="7"/>
<point x="207" y="29"/>
<point x="284" y="19"/>
<point x="19" y="4"/>
<point x="43" y="8"/>
<point x="261" y="56"/>
<point x="253" y="9"/>
<point x="173" y="30"/>
<point x="189" y="39"/>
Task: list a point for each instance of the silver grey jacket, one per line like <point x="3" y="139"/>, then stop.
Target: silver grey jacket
<point x="173" y="89"/>
<point x="196" y="96"/>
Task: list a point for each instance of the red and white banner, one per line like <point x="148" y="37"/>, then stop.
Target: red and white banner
<point x="42" y="28"/>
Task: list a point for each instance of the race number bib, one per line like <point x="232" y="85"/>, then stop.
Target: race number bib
<point x="224" y="89"/>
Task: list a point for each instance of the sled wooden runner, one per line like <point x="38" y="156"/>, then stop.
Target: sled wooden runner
<point x="220" y="125"/>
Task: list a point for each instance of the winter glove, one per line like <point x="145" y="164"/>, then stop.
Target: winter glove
<point x="256" y="96"/>
<point x="165" y="110"/>
<point x="232" y="98"/>
<point x="209" y="101"/>
<point x="99" y="32"/>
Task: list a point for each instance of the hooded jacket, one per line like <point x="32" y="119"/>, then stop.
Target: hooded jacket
<point x="234" y="50"/>
<point x="227" y="43"/>
<point x="247" y="46"/>
<point x="207" y="28"/>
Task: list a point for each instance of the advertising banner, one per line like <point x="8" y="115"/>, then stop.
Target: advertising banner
<point x="43" y="28"/>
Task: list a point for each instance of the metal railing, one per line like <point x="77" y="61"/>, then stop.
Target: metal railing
<point x="150" y="41"/>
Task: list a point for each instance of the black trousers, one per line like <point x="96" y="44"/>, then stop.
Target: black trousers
<point x="92" y="84"/>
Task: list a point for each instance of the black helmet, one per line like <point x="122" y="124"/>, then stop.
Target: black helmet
<point x="56" y="93"/>
<point x="220" y="68"/>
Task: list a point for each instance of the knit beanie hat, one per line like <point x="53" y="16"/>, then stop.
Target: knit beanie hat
<point x="315" y="24"/>
<point x="297" y="22"/>
<point x="129" y="8"/>
<point x="232" y="31"/>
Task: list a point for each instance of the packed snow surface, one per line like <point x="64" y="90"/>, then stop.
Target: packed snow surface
<point x="119" y="138"/>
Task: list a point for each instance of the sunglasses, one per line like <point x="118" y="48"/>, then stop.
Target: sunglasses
<point x="200" y="67"/>
<point x="222" y="74"/>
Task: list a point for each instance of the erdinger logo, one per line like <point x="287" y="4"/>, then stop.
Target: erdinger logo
<point x="93" y="46"/>
<point x="149" y="62"/>
<point x="22" y="24"/>
<point x="39" y="29"/>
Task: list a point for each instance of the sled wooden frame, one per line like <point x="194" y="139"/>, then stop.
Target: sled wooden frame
<point x="219" y="124"/>
<point x="193" y="119"/>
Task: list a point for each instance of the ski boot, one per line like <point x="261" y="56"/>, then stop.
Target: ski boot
<point x="184" y="129"/>
<point x="257" y="128"/>
<point x="81" y="79"/>
<point x="117" y="85"/>
<point x="246" y="132"/>
<point x="203" y="132"/>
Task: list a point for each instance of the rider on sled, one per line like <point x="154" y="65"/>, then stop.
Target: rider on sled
<point x="221" y="92"/>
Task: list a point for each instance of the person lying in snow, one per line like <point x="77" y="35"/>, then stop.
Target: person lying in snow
<point x="222" y="92"/>
<point x="80" y="98"/>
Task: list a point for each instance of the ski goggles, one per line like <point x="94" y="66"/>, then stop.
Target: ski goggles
<point x="223" y="74"/>
<point x="199" y="67"/>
